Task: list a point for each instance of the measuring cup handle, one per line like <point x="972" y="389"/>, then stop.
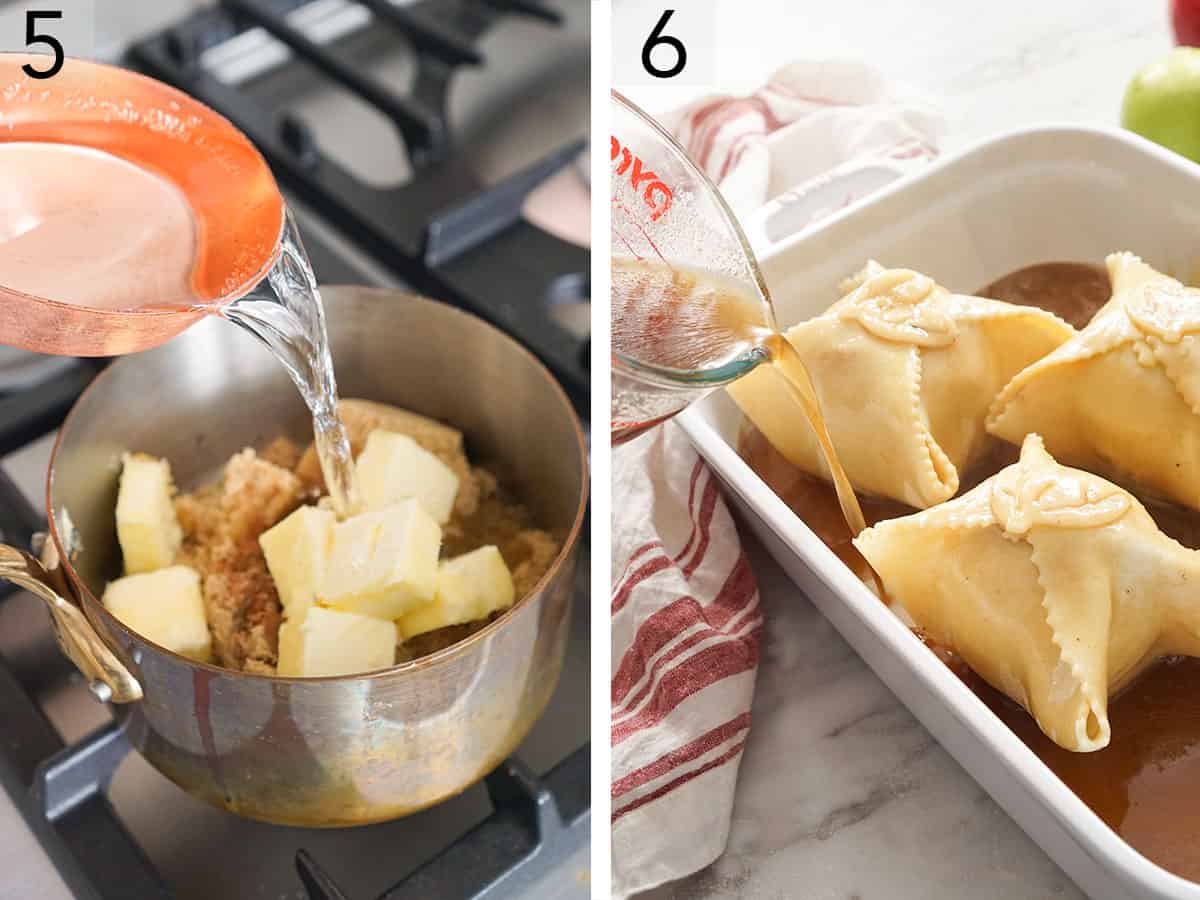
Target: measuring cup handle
<point x="110" y="679"/>
<point x="792" y="212"/>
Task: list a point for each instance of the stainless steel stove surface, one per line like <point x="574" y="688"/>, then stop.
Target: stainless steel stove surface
<point x="529" y="100"/>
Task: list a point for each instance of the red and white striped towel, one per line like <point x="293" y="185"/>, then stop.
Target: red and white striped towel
<point x="685" y="615"/>
<point x="810" y="117"/>
<point x="685" y="627"/>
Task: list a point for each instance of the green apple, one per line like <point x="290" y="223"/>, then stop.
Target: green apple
<point x="1162" y="102"/>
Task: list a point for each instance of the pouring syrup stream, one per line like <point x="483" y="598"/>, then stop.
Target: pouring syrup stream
<point x="694" y="321"/>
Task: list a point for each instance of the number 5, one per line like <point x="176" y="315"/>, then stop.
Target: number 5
<point x="32" y="37"/>
<point x="656" y="38"/>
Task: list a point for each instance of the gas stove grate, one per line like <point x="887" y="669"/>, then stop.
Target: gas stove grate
<point x="26" y="415"/>
<point x="442" y="232"/>
<point x="536" y="826"/>
<point x="60" y="790"/>
<point x="92" y="851"/>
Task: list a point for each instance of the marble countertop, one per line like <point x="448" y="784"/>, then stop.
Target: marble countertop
<point x="842" y="793"/>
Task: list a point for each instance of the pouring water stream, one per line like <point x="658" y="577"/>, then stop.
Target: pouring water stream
<point x="285" y="312"/>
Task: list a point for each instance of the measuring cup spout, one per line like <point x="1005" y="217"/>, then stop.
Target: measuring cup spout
<point x="110" y="679"/>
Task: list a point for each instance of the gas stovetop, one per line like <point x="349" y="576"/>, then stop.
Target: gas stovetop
<point x="436" y="146"/>
<point x="452" y="178"/>
<point x="420" y="133"/>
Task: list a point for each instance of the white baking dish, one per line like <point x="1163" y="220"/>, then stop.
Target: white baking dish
<point x="1049" y="193"/>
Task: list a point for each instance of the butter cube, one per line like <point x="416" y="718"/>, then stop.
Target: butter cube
<point x="331" y="642"/>
<point x="165" y="607"/>
<point x="469" y="587"/>
<point x="383" y="563"/>
<point x="297" y="550"/>
<point x="147" y="529"/>
<point x="393" y="467"/>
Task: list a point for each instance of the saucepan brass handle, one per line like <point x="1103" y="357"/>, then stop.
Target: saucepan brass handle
<point x="109" y="678"/>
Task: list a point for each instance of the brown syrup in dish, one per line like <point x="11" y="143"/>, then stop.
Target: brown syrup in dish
<point x="1146" y="783"/>
<point x="1072" y="291"/>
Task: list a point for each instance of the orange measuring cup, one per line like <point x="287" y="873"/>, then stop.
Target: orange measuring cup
<point x="237" y="208"/>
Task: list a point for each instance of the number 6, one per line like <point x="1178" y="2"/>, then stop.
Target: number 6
<point x="656" y="38"/>
<point x="32" y="37"/>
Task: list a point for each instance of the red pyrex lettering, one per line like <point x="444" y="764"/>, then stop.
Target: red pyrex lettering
<point x="658" y="195"/>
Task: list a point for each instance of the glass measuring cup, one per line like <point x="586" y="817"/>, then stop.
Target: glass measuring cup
<point x="665" y="210"/>
<point x="238" y="212"/>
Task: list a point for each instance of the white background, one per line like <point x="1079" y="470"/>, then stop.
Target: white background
<point x="989" y="65"/>
<point x="76" y="30"/>
<point x="691" y="23"/>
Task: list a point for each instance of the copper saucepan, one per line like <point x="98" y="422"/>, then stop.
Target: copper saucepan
<point x="325" y="751"/>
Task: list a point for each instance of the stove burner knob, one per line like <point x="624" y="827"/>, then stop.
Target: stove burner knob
<point x="298" y="138"/>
